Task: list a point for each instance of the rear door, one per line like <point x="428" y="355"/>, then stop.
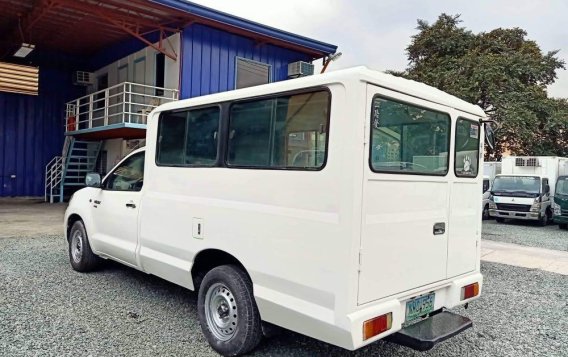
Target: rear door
<point x="465" y="214"/>
<point x="405" y="215"/>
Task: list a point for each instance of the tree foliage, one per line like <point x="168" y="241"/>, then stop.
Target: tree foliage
<point x="503" y="72"/>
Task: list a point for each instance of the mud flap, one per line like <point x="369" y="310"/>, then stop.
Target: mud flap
<point x="423" y="335"/>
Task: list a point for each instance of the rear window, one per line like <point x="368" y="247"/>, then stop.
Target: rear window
<point x="407" y="139"/>
<point x="467" y="148"/>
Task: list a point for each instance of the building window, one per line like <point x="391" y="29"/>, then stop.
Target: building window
<point x="188" y="138"/>
<point x="287" y="132"/>
<point x="407" y="139"/>
<point x="251" y="73"/>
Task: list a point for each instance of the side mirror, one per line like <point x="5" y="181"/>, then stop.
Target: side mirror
<point x="489" y="136"/>
<point x="93" y="179"/>
<point x="547" y="189"/>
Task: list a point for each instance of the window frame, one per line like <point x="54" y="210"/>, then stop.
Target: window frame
<point x="220" y="135"/>
<point x="406" y="102"/>
<point x="107" y="177"/>
<point x="238" y="58"/>
<point x="478" y="147"/>
<point x="308" y="90"/>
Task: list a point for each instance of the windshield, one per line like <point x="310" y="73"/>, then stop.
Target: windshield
<point x="517" y="184"/>
<point x="562" y="186"/>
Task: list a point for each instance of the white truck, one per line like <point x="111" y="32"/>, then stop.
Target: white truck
<point x="490" y="170"/>
<point x="525" y="188"/>
<point x="343" y="206"/>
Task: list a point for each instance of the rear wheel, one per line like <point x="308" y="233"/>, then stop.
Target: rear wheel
<point x="81" y="256"/>
<point x="228" y="314"/>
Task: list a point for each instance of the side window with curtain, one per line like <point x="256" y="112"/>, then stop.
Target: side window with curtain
<point x="467" y="148"/>
<point x="129" y="176"/>
<point x="286" y="132"/>
<point x="188" y="138"/>
<point x="407" y="139"/>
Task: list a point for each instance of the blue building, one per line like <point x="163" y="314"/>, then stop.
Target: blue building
<point x="78" y="78"/>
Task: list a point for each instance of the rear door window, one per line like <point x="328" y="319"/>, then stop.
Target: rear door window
<point x="467" y="148"/>
<point x="407" y="139"/>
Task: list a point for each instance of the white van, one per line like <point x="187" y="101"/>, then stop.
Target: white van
<point x="342" y="206"/>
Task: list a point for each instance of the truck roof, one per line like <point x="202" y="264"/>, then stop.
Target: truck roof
<point x="398" y="84"/>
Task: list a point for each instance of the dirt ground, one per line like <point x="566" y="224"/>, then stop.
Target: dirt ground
<point x="20" y="217"/>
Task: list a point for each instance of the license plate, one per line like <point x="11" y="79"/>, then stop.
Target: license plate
<point x="419" y="306"/>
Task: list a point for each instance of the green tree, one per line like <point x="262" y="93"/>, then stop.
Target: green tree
<point x="503" y="72"/>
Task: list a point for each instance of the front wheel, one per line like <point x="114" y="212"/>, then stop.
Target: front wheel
<point x="228" y="314"/>
<point x="485" y="213"/>
<point x="563" y="226"/>
<point x="500" y="220"/>
<point x="81" y="256"/>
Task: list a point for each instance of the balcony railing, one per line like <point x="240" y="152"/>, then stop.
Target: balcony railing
<point x="124" y="103"/>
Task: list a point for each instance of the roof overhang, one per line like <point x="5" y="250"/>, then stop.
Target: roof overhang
<point x="85" y="27"/>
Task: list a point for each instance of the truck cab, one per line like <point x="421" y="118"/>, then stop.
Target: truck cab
<point x="560" y="204"/>
<point x="525" y="188"/>
<point x="525" y="197"/>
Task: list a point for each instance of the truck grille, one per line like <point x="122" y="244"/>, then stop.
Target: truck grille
<point x="564" y="212"/>
<point x="513" y="207"/>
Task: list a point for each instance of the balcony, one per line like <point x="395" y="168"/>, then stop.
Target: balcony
<point x="119" y="111"/>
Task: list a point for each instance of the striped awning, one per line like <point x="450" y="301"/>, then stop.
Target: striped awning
<point x="20" y="79"/>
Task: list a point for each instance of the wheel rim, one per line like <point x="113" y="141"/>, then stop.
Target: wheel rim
<point x="77" y="246"/>
<point x="221" y="311"/>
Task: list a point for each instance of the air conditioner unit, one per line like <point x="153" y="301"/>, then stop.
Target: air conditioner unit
<point x="82" y="78"/>
<point x="300" y="69"/>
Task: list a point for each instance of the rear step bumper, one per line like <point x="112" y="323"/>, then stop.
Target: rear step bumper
<point x="423" y="335"/>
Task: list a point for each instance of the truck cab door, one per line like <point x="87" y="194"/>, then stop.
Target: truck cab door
<point x="115" y="210"/>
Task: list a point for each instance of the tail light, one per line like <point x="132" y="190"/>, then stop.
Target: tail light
<point x="377" y="325"/>
<point x="470" y="291"/>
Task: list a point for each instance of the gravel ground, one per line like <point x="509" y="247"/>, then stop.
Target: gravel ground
<point x="526" y="233"/>
<point x="48" y="309"/>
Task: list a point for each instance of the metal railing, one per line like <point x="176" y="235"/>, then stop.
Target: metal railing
<point x="122" y="103"/>
<point x="53" y="177"/>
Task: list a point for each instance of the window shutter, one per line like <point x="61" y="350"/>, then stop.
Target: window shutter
<point x="18" y="79"/>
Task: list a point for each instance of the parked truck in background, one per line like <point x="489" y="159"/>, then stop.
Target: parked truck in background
<point x="560" y="204"/>
<point x="490" y="169"/>
<point x="525" y="188"/>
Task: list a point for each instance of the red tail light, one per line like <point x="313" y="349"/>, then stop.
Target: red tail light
<point x="377" y="325"/>
<point x="470" y="291"/>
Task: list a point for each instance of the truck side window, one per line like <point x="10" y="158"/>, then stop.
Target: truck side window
<point x="128" y="176"/>
<point x="467" y="148"/>
<point x="188" y="138"/>
<point x="289" y="131"/>
<point x="407" y="139"/>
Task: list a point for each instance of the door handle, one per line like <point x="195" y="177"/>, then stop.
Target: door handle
<point x="439" y="228"/>
<point x="130" y="205"/>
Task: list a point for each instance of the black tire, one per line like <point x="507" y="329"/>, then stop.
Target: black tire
<point x="81" y="256"/>
<point x="543" y="220"/>
<point x="563" y="226"/>
<point x="485" y="215"/>
<point x="500" y="220"/>
<point x="231" y="283"/>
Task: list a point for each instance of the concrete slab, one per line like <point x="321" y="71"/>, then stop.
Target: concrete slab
<point x="554" y="261"/>
<point x="20" y="217"/>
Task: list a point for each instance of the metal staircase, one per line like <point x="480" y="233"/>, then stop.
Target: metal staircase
<point x="69" y="169"/>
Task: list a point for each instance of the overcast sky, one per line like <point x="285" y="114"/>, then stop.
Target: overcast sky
<point x="376" y="32"/>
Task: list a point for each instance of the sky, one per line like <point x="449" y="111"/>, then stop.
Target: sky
<point x="375" y="33"/>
